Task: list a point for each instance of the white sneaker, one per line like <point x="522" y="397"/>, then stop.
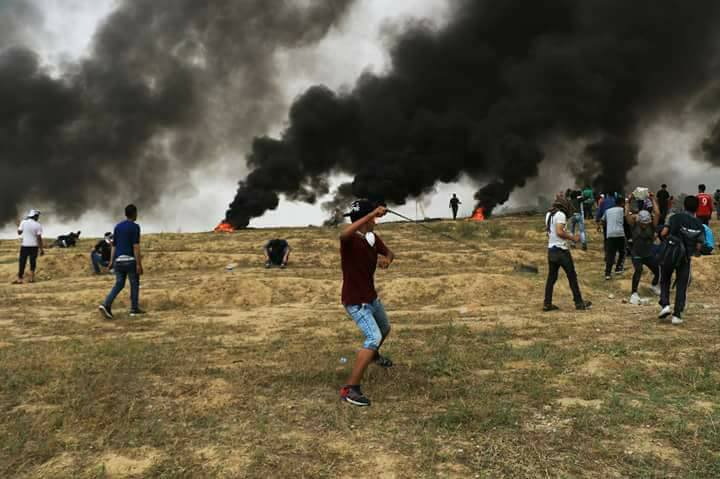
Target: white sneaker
<point x="656" y="290"/>
<point x="635" y="299"/>
<point x="665" y="312"/>
<point x="676" y="320"/>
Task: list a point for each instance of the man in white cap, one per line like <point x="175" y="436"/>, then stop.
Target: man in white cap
<point x="30" y="231"/>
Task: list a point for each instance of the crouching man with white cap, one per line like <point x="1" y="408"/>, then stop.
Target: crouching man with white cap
<point x="30" y="231"/>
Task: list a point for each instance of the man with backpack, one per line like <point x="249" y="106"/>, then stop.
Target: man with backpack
<point x="684" y="236"/>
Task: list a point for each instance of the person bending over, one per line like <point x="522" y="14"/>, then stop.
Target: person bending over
<point x="277" y="253"/>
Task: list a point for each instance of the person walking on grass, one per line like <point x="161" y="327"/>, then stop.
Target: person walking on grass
<point x="684" y="236"/>
<point x="643" y="226"/>
<point x="361" y="251"/>
<point x="613" y="218"/>
<point x="127" y="262"/>
<point x="455" y="205"/>
<point x="559" y="255"/>
<point x="30" y="230"/>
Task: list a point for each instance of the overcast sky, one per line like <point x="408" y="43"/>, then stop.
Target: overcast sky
<point x="337" y="61"/>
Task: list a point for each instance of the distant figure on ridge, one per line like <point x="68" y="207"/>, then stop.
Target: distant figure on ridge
<point x="455" y="205"/>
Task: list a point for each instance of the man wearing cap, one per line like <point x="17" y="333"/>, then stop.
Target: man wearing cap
<point x="643" y="226"/>
<point x="559" y="254"/>
<point x="101" y="254"/>
<point x="361" y="251"/>
<point x="30" y="231"/>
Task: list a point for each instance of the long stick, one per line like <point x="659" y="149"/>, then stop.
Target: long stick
<point x="440" y="233"/>
<point x="518" y="266"/>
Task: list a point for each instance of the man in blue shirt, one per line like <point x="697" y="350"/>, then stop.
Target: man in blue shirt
<point x="126" y="260"/>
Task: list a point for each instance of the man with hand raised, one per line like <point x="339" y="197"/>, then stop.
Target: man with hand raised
<point x="361" y="251"/>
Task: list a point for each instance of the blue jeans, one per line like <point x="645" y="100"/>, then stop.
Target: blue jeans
<point x="97" y="261"/>
<point x="123" y="270"/>
<point x="372" y="321"/>
<point x="578" y="220"/>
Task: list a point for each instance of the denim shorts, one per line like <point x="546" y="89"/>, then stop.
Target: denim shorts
<point x="372" y="321"/>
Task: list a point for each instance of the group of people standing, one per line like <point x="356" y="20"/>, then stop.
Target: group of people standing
<point x="644" y="226"/>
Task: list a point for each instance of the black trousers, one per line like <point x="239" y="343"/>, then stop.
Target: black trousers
<point x="638" y="264"/>
<point x="27" y="252"/>
<point x="615" y="248"/>
<point x="683" y="281"/>
<point x="455" y="211"/>
<point x="560" y="258"/>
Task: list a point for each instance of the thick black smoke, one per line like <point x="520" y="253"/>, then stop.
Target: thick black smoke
<point x="484" y="94"/>
<point x="169" y="85"/>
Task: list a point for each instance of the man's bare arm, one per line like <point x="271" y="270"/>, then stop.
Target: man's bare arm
<point x="354" y="227"/>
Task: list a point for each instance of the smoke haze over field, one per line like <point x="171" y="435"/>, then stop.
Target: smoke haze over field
<point x="168" y="86"/>
<point x="484" y="94"/>
<point x="158" y="101"/>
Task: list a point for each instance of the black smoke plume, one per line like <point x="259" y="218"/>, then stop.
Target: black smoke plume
<point x="485" y="93"/>
<point x="169" y="85"/>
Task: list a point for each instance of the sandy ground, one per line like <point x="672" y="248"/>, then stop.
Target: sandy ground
<point x="213" y="287"/>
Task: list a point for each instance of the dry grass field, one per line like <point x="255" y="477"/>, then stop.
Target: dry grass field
<point x="236" y="373"/>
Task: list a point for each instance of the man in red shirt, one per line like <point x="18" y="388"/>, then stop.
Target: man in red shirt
<point x="360" y="248"/>
<point x="705" y="206"/>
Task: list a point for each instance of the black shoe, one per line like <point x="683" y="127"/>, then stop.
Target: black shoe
<point x="383" y="362"/>
<point x="550" y="307"/>
<point x="354" y="396"/>
<point x="136" y="312"/>
<point x="584" y="305"/>
<point x="619" y="270"/>
<point x="584" y="247"/>
<point x="105" y="311"/>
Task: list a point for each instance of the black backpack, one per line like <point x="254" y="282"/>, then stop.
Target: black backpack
<point x="675" y="253"/>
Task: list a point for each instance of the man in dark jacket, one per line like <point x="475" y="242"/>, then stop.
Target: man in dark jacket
<point x="100" y="255"/>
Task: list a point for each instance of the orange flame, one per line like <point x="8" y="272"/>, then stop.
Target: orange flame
<point x="224" y="227"/>
<point x="478" y="214"/>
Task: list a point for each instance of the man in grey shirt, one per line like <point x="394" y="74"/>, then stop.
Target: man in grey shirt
<point x="614" y="220"/>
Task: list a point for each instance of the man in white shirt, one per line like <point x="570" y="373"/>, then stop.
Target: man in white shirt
<point x="30" y="231"/>
<point x="559" y="254"/>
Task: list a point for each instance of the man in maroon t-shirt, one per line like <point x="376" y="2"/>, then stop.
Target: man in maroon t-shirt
<point x="361" y="251"/>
